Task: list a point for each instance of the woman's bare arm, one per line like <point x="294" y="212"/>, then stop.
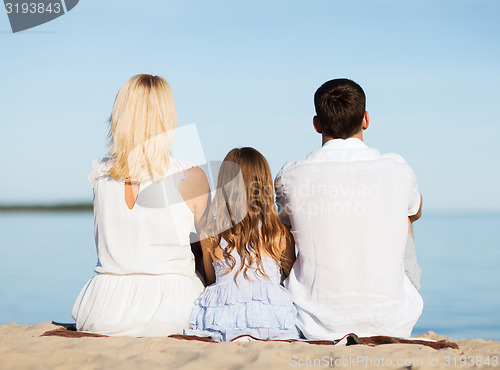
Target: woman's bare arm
<point x="196" y="193"/>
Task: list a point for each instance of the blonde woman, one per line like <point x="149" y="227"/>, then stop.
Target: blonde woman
<point x="145" y="205"/>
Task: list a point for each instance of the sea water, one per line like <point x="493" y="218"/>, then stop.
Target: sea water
<point x="47" y="257"/>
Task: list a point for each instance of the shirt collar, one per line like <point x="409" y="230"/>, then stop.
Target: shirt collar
<point x="350" y="143"/>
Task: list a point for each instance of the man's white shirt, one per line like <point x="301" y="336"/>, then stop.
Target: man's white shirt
<point x="348" y="208"/>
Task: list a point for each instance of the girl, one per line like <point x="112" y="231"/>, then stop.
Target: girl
<point x="146" y="283"/>
<point x="245" y="247"/>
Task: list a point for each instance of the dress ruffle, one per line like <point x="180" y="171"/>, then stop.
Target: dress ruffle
<point x="244" y="304"/>
<point x="254" y="314"/>
<point x="227" y="293"/>
<point x="252" y="307"/>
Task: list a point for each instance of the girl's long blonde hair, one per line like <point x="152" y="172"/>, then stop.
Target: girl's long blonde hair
<point x="245" y="213"/>
<point x="142" y="127"/>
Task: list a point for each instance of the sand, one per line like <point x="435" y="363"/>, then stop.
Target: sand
<point x="22" y="347"/>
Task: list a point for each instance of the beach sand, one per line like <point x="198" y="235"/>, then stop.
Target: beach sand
<point x="22" y="347"/>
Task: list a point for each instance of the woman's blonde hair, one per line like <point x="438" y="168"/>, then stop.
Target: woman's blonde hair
<point x="245" y="213"/>
<point x="142" y="127"/>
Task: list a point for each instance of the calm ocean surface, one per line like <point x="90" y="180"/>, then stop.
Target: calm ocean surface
<point x="46" y="258"/>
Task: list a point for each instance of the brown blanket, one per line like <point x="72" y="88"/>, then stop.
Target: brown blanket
<point x="351" y="339"/>
<point x="69" y="331"/>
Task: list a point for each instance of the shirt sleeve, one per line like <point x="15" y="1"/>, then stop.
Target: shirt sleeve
<point x="281" y="199"/>
<point x="415" y="198"/>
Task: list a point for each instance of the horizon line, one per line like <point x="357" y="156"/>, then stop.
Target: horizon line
<point x="88" y="206"/>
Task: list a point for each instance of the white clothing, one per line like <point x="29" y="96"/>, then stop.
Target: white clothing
<point x="146" y="283"/>
<point x="412" y="269"/>
<point x="348" y="207"/>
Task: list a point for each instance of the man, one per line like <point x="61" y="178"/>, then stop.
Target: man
<point x="349" y="207"/>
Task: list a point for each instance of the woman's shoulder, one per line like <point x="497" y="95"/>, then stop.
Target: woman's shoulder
<point x="100" y="166"/>
<point x="181" y="163"/>
<point x="101" y="162"/>
<point x="192" y="176"/>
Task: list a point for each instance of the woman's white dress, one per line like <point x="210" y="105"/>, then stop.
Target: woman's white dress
<point x="146" y="283"/>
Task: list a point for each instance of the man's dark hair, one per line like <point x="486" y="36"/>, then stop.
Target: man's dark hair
<point x="340" y="107"/>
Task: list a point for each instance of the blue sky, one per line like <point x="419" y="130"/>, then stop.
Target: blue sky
<point x="245" y="73"/>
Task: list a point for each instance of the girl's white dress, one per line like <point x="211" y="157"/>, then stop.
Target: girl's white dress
<point x="146" y="283"/>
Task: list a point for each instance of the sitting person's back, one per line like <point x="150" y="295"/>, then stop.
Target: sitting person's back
<point x="152" y="237"/>
<point x="145" y="205"/>
<point x="244" y="249"/>
<point x="348" y="207"/>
